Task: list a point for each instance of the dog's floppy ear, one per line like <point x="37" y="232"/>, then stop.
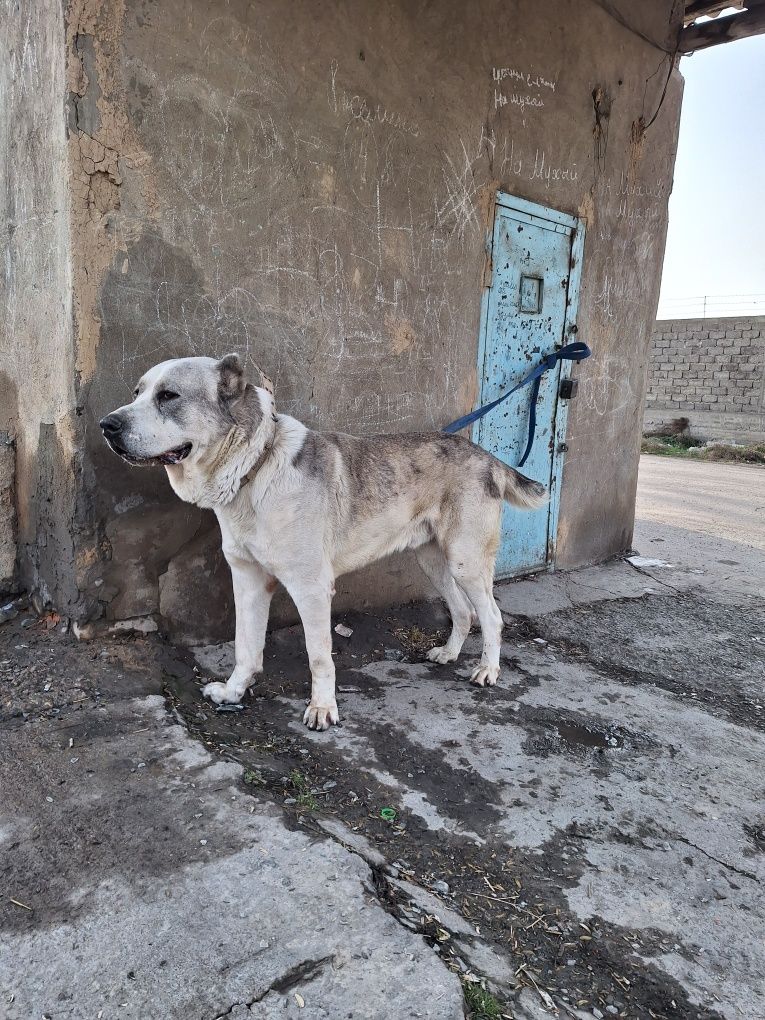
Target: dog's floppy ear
<point x="232" y="383"/>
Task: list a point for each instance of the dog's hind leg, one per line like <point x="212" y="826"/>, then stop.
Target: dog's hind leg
<point x="478" y="582"/>
<point x="434" y="565"/>
<point x="313" y="600"/>
<point x="253" y="588"/>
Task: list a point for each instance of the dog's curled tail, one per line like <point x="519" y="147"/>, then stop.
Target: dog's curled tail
<point x="523" y="492"/>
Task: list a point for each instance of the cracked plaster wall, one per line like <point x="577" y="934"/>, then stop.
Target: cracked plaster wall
<point x="312" y="187"/>
<point x="37" y="380"/>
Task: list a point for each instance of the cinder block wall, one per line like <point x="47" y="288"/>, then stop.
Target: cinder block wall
<point x="711" y="371"/>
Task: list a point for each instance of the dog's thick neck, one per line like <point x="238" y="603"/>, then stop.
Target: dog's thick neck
<point x="214" y="478"/>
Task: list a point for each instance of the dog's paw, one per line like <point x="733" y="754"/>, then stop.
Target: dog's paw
<point x="441" y="654"/>
<point x="321" y="717"/>
<point x="221" y="694"/>
<point x="485" y="675"/>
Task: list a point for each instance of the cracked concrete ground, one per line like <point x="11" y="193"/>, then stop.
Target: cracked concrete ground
<point x="141" y="879"/>
<point x="588" y="838"/>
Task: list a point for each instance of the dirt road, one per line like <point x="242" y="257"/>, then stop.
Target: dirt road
<point x="725" y="500"/>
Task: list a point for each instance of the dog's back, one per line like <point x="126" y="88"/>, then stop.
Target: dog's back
<point x="388" y="492"/>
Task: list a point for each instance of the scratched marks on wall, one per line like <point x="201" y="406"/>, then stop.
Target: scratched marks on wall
<point x="369" y="412"/>
<point x="621" y="293"/>
<point x="611" y="390"/>
<point x="515" y="155"/>
<point x="630" y="215"/>
<point x="330" y="224"/>
<point x="330" y="250"/>
<point x="358" y="107"/>
<point x="634" y="203"/>
<point x="460" y="178"/>
<point x="514" y="159"/>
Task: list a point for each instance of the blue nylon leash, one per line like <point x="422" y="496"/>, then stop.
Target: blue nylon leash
<point x="577" y="351"/>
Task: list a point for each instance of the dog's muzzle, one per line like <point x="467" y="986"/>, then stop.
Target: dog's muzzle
<point x="112" y="426"/>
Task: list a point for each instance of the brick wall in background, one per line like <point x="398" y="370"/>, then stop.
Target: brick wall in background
<point x="711" y="371"/>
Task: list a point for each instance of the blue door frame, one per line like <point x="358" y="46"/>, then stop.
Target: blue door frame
<point x="528" y="310"/>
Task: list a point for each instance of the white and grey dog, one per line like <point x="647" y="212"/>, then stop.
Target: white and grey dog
<point x="304" y="507"/>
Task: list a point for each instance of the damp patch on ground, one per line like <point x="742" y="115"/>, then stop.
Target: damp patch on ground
<point x="705" y="651"/>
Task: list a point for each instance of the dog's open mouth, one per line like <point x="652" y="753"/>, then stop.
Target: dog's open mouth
<point x="177" y="455"/>
<point x="168" y="457"/>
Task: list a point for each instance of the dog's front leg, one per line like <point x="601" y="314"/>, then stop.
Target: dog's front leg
<point x="253" y="588"/>
<point x="314" y="603"/>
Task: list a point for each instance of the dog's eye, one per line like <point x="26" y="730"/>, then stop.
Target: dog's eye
<point x="165" y="395"/>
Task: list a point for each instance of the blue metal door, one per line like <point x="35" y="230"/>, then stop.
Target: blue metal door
<point x="529" y="310"/>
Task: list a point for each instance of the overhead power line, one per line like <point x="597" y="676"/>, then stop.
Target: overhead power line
<point x="706" y="306"/>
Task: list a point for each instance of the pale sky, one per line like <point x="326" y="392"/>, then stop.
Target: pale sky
<point x="716" y="240"/>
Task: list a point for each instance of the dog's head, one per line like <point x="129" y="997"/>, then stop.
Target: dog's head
<point x="182" y="410"/>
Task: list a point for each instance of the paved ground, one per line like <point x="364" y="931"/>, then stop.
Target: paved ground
<point x="588" y="837"/>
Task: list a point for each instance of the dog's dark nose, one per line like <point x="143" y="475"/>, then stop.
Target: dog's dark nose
<point x="111" y="424"/>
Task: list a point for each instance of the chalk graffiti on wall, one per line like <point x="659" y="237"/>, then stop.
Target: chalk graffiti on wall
<point x="549" y="174"/>
<point x="538" y="88"/>
<point x="345" y="286"/>
<point x="516" y="99"/>
<point x="358" y="107"/>
<point x="342" y="252"/>
<point x="527" y="78"/>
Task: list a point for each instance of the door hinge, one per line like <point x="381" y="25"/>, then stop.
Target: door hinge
<point x="568" y="388"/>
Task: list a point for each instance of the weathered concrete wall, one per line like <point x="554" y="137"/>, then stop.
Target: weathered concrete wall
<point x="711" y="371"/>
<point x="7" y="514"/>
<point x="37" y="379"/>
<point x="311" y="185"/>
